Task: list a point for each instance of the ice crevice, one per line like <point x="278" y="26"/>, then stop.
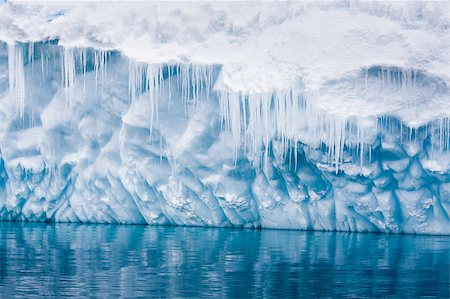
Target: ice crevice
<point x="92" y="135"/>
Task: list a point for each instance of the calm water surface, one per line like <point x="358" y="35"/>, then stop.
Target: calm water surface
<point x="110" y="261"/>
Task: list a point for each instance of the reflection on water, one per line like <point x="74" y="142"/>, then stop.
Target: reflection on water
<point x="110" y="261"/>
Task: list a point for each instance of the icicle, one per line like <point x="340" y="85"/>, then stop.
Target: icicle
<point x="31" y="55"/>
<point x="154" y="77"/>
<point x="68" y="73"/>
<point x="100" y="67"/>
<point x="444" y="134"/>
<point x="82" y="58"/>
<point x="134" y="73"/>
<point x="16" y="75"/>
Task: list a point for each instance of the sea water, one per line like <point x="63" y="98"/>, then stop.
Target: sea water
<point x="46" y="259"/>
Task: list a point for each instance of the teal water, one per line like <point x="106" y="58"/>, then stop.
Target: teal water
<point x="109" y="261"/>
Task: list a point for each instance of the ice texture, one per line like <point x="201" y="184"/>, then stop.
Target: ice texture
<point x="95" y="129"/>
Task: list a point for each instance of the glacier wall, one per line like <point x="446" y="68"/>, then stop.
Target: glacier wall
<point x="302" y="115"/>
<point x="94" y="136"/>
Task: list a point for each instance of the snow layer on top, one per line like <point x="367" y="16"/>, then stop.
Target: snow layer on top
<point x="263" y="46"/>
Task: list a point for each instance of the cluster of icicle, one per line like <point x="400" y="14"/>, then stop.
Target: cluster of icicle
<point x="251" y="120"/>
<point x="254" y="120"/>
<point x="191" y="82"/>
<point x="394" y="77"/>
<point x="290" y="116"/>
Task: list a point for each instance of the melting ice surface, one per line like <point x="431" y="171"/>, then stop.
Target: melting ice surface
<point x="248" y="118"/>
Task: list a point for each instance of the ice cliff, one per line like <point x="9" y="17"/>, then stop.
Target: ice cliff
<point x="324" y="116"/>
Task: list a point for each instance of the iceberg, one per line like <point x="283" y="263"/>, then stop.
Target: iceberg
<point x="312" y="116"/>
